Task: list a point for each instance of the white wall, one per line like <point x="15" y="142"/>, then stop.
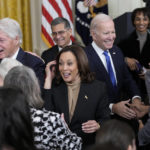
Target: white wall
<point x="116" y="8"/>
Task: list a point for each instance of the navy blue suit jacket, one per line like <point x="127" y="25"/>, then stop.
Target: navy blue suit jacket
<point x="124" y="79"/>
<point x="33" y="62"/>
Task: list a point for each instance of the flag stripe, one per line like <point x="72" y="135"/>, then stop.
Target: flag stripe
<point x="46" y="14"/>
<point x="47" y="35"/>
<point x="52" y="9"/>
<point x="66" y="4"/>
<point x="56" y="7"/>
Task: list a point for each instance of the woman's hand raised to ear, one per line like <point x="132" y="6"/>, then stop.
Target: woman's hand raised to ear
<point x="50" y="74"/>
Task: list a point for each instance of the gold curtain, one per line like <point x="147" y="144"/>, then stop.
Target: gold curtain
<point x="20" y="11"/>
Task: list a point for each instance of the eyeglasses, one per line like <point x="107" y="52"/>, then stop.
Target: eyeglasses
<point x="59" y="33"/>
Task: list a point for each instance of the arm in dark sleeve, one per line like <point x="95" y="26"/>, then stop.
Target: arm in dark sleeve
<point x="48" y="100"/>
<point x="144" y="134"/>
<point x="103" y="111"/>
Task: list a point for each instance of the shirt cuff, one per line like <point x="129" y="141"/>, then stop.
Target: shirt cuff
<point x="110" y="107"/>
<point x="136" y="96"/>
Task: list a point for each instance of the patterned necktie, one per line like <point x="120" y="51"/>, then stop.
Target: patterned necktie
<point x="109" y="68"/>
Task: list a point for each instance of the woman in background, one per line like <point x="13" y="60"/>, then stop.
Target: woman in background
<point x="136" y="47"/>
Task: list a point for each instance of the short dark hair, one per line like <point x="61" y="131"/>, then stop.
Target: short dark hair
<point x="108" y="146"/>
<point x="82" y="61"/>
<point x="16" y="129"/>
<point x="116" y="132"/>
<point x="143" y="10"/>
<point x="60" y="20"/>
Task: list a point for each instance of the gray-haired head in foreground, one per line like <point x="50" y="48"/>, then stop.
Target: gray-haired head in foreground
<point x="12" y="28"/>
<point x="7" y="64"/>
<point x="25" y="79"/>
<point x="60" y="20"/>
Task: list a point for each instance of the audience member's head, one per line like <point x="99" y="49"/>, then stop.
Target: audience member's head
<point x="11" y="37"/>
<point x="107" y="146"/>
<point x="61" y="31"/>
<point x="16" y="131"/>
<point x="73" y="56"/>
<point x="5" y="65"/>
<point x="102" y="30"/>
<point x="25" y="79"/>
<point x="140" y="16"/>
<point x="118" y="134"/>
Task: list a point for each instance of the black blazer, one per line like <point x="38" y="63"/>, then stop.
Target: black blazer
<point x="33" y="62"/>
<point x="51" y="53"/>
<point x="92" y="104"/>
<point x="124" y="79"/>
<point x="131" y="48"/>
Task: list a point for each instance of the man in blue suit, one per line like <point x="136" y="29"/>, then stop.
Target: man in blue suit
<point x="103" y="34"/>
<point x="10" y="46"/>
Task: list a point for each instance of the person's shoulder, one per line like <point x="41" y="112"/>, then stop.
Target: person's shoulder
<point x="43" y="113"/>
<point x="95" y="83"/>
<point x="33" y="57"/>
<point x="49" y="50"/>
<point x="88" y="47"/>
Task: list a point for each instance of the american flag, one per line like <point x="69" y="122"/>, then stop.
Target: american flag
<point x="50" y="10"/>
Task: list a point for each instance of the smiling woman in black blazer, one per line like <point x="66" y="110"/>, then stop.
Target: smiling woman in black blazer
<point x="78" y="96"/>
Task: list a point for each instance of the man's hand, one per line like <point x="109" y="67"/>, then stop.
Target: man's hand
<point x="140" y="109"/>
<point x="90" y="126"/>
<point x="131" y="62"/>
<point x="89" y="3"/>
<point x="122" y="109"/>
<point x="141" y="125"/>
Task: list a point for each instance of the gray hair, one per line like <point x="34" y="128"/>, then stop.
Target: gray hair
<point x="24" y="78"/>
<point x="100" y="17"/>
<point x="60" y="20"/>
<point x="12" y="28"/>
<point x="7" y="64"/>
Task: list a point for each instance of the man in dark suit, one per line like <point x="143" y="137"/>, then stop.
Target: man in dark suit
<point x="10" y="42"/>
<point x="103" y="34"/>
<point x="61" y="33"/>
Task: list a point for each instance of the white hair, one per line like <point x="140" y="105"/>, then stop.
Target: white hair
<point x="7" y="64"/>
<point x="12" y="28"/>
<point x="100" y="17"/>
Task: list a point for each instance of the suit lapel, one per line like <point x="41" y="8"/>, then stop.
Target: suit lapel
<point x="97" y="61"/>
<point x="63" y="98"/>
<point x="82" y="98"/>
<point x="20" y="56"/>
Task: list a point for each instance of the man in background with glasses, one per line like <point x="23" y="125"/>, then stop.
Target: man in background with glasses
<point x="61" y="33"/>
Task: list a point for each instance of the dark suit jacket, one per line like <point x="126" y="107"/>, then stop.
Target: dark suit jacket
<point x="131" y="48"/>
<point x="124" y="79"/>
<point x="51" y="53"/>
<point x="33" y="62"/>
<point x="92" y="104"/>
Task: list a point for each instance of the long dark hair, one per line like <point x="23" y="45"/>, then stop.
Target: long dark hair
<point x="16" y="129"/>
<point x="82" y="62"/>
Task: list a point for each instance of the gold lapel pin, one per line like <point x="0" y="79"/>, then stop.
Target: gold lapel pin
<point x="86" y="97"/>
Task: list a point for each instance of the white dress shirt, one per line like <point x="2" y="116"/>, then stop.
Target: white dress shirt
<point x="99" y="52"/>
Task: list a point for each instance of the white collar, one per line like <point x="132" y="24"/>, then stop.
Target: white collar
<point x="15" y="54"/>
<point x="60" y="48"/>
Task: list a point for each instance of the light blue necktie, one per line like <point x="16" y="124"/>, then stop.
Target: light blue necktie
<point x="109" y="68"/>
